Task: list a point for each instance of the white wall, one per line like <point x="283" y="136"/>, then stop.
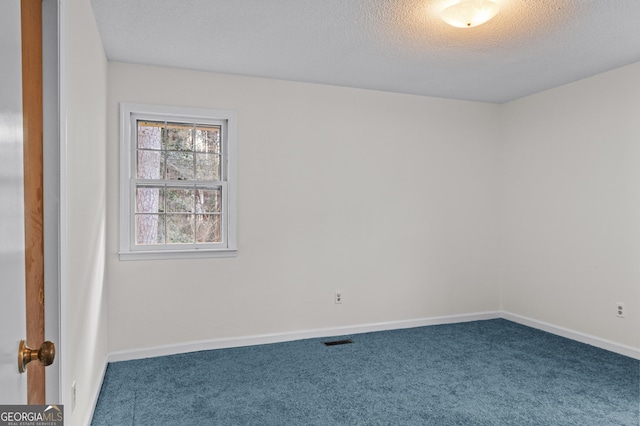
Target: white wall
<point x="51" y="188"/>
<point x="84" y="333"/>
<point x="12" y="244"/>
<point x="570" y="242"/>
<point x="389" y="198"/>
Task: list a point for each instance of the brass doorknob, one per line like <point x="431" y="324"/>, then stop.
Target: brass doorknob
<point x="45" y="355"/>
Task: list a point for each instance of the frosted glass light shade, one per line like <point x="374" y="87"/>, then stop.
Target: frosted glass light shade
<point x="470" y="13"/>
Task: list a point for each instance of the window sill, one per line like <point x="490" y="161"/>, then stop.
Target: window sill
<point x="177" y="254"/>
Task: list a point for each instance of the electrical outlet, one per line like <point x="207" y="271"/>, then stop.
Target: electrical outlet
<point x="73" y="396"/>
<point x="620" y="310"/>
<point x="338" y="297"/>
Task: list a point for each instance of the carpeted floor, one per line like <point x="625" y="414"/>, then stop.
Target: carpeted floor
<point x="478" y="373"/>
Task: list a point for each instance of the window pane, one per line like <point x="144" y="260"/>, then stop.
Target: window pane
<point x="208" y="167"/>
<point x="208" y="139"/>
<point x="149" y="199"/>
<point x="149" y="229"/>
<point x="208" y="200"/>
<point x="179" y="137"/>
<point x="180" y="200"/>
<point x="150" y="164"/>
<point x="180" y="165"/>
<point x="150" y="134"/>
<point x="176" y="181"/>
<point x="180" y="229"/>
<point x="208" y="228"/>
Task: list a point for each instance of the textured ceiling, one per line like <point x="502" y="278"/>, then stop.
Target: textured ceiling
<point x="390" y="45"/>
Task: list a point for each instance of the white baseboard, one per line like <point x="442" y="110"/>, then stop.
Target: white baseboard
<point x="95" y="394"/>
<point x="262" y="339"/>
<point x="294" y="335"/>
<point x="574" y="335"/>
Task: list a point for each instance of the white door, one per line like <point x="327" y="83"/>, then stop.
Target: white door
<point x="13" y="386"/>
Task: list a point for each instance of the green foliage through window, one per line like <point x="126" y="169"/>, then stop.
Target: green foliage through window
<point x="179" y="183"/>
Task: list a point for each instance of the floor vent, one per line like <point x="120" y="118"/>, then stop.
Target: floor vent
<point x="338" y="342"/>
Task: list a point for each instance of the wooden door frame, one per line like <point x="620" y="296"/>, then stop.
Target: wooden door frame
<point x="32" y="105"/>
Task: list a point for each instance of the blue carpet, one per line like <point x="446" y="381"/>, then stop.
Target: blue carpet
<point x="478" y="373"/>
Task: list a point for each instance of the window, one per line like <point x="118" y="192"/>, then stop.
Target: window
<point x="177" y="182"/>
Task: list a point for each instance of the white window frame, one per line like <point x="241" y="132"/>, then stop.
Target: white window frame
<point x="129" y="114"/>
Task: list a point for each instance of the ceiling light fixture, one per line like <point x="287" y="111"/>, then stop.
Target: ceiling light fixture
<point x="470" y="13"/>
